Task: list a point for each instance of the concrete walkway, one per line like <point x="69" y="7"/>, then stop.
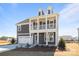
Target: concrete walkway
<point x="4" y="48"/>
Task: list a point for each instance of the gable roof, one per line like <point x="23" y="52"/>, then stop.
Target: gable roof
<point x="24" y="21"/>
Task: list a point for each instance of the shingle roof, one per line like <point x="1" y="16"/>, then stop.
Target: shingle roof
<point x="24" y="21"/>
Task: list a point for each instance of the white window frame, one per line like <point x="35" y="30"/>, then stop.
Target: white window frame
<point x="51" y="37"/>
<point x="19" y="28"/>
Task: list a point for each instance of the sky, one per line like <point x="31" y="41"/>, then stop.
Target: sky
<point x="12" y="13"/>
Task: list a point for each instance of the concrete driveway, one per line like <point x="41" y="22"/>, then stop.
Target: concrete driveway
<point x="4" y="48"/>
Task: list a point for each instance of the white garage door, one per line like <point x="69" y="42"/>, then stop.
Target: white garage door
<point x="24" y="40"/>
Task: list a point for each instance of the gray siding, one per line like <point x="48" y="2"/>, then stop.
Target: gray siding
<point x="24" y="29"/>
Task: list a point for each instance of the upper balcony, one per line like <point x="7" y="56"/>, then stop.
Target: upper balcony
<point x="39" y="24"/>
<point x="40" y="27"/>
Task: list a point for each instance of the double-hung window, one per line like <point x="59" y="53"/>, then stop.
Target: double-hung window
<point x="19" y="28"/>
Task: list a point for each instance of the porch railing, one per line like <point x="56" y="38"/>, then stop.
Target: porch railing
<point x="49" y="26"/>
<point x="35" y="27"/>
<point x="42" y="26"/>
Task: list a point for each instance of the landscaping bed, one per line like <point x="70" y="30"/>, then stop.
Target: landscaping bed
<point x="36" y="51"/>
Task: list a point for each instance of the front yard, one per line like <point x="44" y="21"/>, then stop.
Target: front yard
<point x="72" y="50"/>
<point x="37" y="51"/>
<point x="4" y="42"/>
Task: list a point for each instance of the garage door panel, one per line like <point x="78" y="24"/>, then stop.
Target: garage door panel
<point x="24" y="40"/>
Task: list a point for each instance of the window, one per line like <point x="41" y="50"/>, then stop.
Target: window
<point x="42" y="13"/>
<point x="54" y="23"/>
<point x="40" y="23"/>
<point x="39" y="13"/>
<point x="51" y="37"/>
<point x="19" y="28"/>
<point x="48" y="11"/>
<point x="44" y="37"/>
<point x="48" y="22"/>
<point x="43" y="23"/>
<point x="34" y="23"/>
<point x="51" y="22"/>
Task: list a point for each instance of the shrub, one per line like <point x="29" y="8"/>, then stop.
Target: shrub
<point x="61" y="44"/>
<point x="27" y="45"/>
<point x="12" y="41"/>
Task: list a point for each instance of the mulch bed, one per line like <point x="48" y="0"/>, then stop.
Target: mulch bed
<point x="37" y="49"/>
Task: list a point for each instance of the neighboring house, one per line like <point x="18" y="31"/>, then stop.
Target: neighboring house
<point x="75" y="39"/>
<point x="67" y="37"/>
<point x="39" y="30"/>
<point x="10" y="39"/>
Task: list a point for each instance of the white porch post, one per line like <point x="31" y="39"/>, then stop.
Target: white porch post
<point x="37" y="38"/>
<point x="46" y="38"/>
<point x="46" y="32"/>
<point x="30" y="29"/>
<point x="56" y="40"/>
<point x="37" y="29"/>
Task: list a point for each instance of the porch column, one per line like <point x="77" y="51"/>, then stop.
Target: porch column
<point x="56" y="33"/>
<point x="46" y="32"/>
<point x="37" y="30"/>
<point x="37" y="38"/>
<point x="30" y="29"/>
<point x="47" y="38"/>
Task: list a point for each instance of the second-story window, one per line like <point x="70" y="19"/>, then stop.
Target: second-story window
<point x="48" y="24"/>
<point x="54" y="23"/>
<point x="19" y="28"/>
<point x="40" y="23"/>
<point x="34" y="25"/>
<point x="51" y="24"/>
<point x="44" y="25"/>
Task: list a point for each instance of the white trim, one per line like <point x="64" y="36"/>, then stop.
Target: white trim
<point x="56" y="40"/>
<point x="19" y="28"/>
<point x="22" y="24"/>
<point x="23" y="33"/>
<point x="46" y="30"/>
<point x="37" y="38"/>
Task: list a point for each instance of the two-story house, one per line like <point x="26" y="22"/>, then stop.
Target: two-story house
<point x="39" y="30"/>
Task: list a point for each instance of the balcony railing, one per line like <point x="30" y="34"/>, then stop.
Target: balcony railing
<point x="42" y="26"/>
<point x="35" y="27"/>
<point x="49" y="26"/>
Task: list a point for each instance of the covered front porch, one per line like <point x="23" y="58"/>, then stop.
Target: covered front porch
<point x="44" y="38"/>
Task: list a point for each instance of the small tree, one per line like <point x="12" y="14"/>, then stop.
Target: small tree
<point x="61" y="44"/>
<point x="12" y="41"/>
